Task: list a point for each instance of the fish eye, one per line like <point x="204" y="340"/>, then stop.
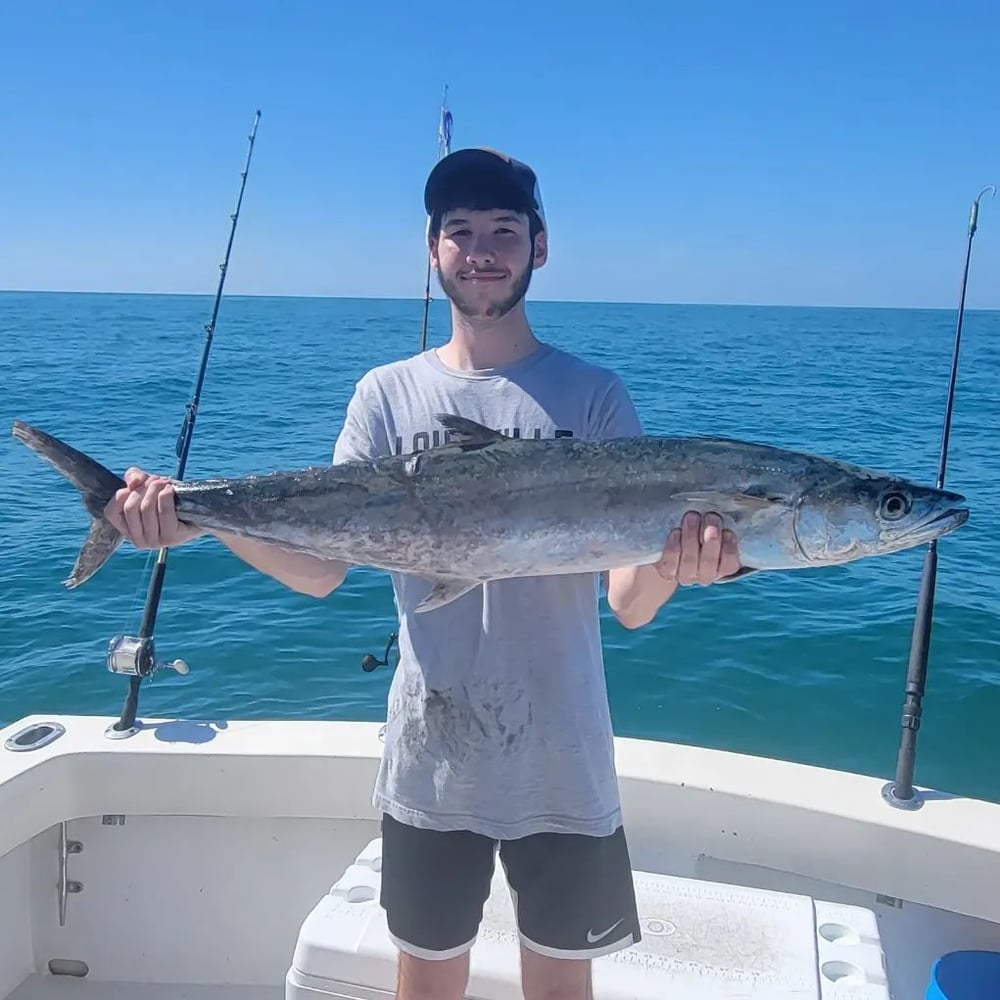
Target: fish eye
<point x="894" y="506"/>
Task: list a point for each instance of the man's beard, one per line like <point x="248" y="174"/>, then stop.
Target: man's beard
<point x="495" y="309"/>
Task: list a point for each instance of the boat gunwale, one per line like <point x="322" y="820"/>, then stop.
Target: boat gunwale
<point x="835" y="825"/>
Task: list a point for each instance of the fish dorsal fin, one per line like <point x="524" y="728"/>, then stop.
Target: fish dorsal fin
<point x="467" y="433"/>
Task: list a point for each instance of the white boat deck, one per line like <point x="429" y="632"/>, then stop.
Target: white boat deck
<point x="205" y="847"/>
<point x="44" y="987"/>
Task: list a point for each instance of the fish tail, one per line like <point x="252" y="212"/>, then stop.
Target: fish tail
<point x="97" y="486"/>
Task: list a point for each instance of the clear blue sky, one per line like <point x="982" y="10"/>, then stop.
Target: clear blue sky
<point x="775" y="152"/>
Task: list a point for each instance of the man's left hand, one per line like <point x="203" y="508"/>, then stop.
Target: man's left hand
<point x="699" y="551"/>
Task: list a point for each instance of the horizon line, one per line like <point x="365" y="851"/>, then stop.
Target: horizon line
<point x="545" y="301"/>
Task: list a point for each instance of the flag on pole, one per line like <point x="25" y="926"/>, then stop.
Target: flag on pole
<point x="445" y="126"/>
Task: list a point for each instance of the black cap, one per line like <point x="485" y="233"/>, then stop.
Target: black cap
<point x="482" y="161"/>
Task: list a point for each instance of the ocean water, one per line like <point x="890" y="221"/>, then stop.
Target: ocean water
<point x="808" y="666"/>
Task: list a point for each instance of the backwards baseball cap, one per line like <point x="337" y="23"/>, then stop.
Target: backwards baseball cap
<point x="466" y="167"/>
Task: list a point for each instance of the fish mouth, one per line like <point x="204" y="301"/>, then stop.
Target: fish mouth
<point x="952" y="518"/>
<point x="954" y="515"/>
<point x="939" y="522"/>
<point x="960" y="514"/>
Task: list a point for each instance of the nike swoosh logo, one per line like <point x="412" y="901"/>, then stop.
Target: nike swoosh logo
<point x="592" y="938"/>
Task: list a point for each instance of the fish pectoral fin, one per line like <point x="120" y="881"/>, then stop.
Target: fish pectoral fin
<point x="730" y="503"/>
<point x="445" y="590"/>
<point x="743" y="571"/>
<point x="467" y="432"/>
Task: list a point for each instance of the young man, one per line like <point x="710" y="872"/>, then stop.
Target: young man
<point x="498" y="735"/>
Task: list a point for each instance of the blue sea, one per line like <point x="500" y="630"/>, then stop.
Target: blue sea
<point x="808" y="666"/>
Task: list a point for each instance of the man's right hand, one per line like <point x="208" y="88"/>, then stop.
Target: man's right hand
<point x="145" y="513"/>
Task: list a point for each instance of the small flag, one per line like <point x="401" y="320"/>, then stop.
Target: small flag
<point x="444" y="136"/>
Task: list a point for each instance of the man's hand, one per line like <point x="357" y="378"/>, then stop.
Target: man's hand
<point x="700" y="551"/>
<point x="144" y="512"/>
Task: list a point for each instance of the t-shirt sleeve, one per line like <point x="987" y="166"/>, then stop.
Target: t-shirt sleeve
<point x="616" y="415"/>
<point x="362" y="437"/>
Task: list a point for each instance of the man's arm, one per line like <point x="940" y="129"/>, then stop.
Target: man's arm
<point x="700" y="551"/>
<point x="636" y="594"/>
<point x="145" y="514"/>
<point x="298" y="571"/>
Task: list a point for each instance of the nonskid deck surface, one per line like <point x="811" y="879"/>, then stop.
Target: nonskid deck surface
<point x="43" y="987"/>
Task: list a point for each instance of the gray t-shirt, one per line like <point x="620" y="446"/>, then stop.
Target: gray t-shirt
<point x="498" y="718"/>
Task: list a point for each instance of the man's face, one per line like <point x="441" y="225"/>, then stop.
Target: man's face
<point x="484" y="260"/>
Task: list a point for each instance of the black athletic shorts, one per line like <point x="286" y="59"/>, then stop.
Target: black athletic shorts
<point x="573" y="895"/>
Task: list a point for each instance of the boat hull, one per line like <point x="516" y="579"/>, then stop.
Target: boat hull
<point x="205" y="845"/>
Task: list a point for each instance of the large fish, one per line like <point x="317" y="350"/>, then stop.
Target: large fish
<point x="484" y="506"/>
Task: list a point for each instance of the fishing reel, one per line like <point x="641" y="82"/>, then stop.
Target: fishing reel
<point x="135" y="657"/>
<point x="368" y="661"/>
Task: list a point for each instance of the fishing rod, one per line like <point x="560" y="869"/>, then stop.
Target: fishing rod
<point x="900" y="792"/>
<point x="445" y="123"/>
<point x="135" y="656"/>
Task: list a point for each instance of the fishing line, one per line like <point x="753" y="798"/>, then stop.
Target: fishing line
<point x="141" y="584"/>
<point x="900" y="793"/>
<point x="446" y="122"/>
<point x="135" y="656"/>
